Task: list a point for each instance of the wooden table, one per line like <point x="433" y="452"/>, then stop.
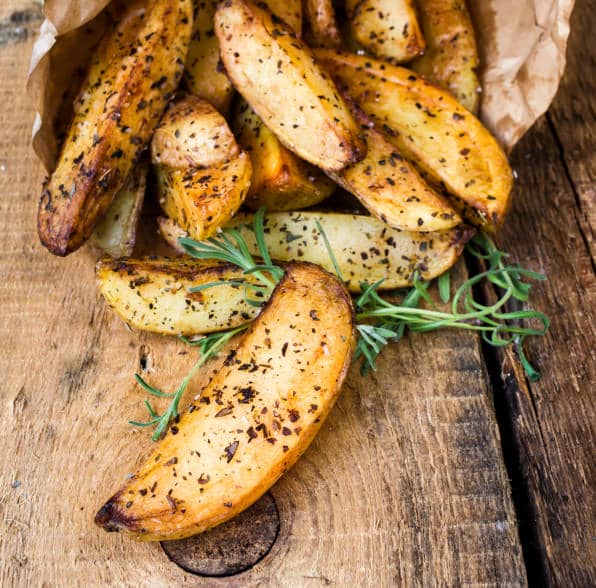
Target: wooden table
<point x="445" y="468"/>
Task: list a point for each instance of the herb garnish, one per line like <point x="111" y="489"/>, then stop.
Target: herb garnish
<point x="378" y="321"/>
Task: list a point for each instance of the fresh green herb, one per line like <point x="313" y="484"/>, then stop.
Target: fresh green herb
<point x="209" y="346"/>
<point x="379" y="321"/>
<point x="497" y="327"/>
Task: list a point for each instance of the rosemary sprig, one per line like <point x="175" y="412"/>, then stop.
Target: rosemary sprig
<point x="209" y="346"/>
<point x="378" y="321"/>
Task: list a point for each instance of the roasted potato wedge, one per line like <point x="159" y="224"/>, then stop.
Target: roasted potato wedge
<point x="448" y="143"/>
<point x="365" y="249"/>
<point x="451" y="56"/>
<point x="387" y="29"/>
<point x="129" y="83"/>
<point x="116" y="232"/>
<point x="153" y="294"/>
<point x="321" y="24"/>
<point x="203" y="72"/>
<point x="391" y="188"/>
<point x="280" y="180"/>
<point x="278" y="76"/>
<point x="203" y="176"/>
<point x="254" y="419"/>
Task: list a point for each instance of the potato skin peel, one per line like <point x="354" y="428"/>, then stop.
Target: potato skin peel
<point x="130" y="81"/>
<point x="254" y="419"/>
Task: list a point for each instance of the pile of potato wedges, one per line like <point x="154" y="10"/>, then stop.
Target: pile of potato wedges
<point x="215" y="109"/>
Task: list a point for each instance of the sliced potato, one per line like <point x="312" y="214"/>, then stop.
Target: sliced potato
<point x="365" y="249"/>
<point x="322" y="28"/>
<point x="203" y="72"/>
<point x="448" y="143"/>
<point x="129" y="83"/>
<point x="278" y="76"/>
<point x="391" y="188"/>
<point x="451" y="56"/>
<point x="386" y="28"/>
<point x="280" y="180"/>
<point x="203" y="176"/>
<point x="253" y="420"/>
<point x="116" y="232"/>
<point x="152" y="294"/>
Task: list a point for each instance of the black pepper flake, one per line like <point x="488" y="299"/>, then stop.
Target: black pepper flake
<point x="230" y="450"/>
<point x="143" y="491"/>
<point x="293" y="415"/>
<point x="224" y="411"/>
<point x="203" y="479"/>
<point x="313" y="315"/>
<point x="227" y="504"/>
<point x="172" y="461"/>
<point x="172" y="503"/>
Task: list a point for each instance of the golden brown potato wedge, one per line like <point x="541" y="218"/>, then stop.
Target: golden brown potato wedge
<point x="203" y="72"/>
<point x="129" y="83"/>
<point x="203" y="176"/>
<point x="451" y="56"/>
<point x="387" y="29"/>
<point x="278" y="76"/>
<point x="152" y="294"/>
<point x="448" y="143"/>
<point x="321" y="24"/>
<point x="254" y="419"/>
<point x="280" y="180"/>
<point x="366" y="249"/>
<point x="116" y="233"/>
<point x="391" y="188"/>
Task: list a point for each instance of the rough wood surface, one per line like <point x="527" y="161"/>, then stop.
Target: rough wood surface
<point x="551" y="228"/>
<point x="405" y="485"/>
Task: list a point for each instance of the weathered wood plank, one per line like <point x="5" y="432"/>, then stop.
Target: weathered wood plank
<point x="405" y="484"/>
<point x="551" y="229"/>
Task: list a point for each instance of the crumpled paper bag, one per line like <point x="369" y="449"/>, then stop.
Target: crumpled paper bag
<point x="521" y="42"/>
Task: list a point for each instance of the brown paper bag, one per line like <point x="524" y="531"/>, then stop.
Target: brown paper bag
<point x="522" y="45"/>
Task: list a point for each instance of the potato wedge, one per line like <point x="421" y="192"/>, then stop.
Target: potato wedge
<point x="170" y="232"/>
<point x="152" y="294"/>
<point x="365" y="248"/>
<point x="254" y="419"/>
<point x="116" y="232"/>
<point x="448" y="143"/>
<point x="280" y="180"/>
<point x="387" y="29"/>
<point x="391" y="188"/>
<point x="203" y="176"/>
<point x="321" y="24"/>
<point x="203" y="73"/>
<point x="451" y="55"/>
<point x="129" y="83"/>
<point x="277" y="75"/>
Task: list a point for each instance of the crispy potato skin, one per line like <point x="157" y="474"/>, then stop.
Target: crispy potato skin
<point x="443" y="139"/>
<point x="116" y="233"/>
<point x="203" y="73"/>
<point x="390" y="187"/>
<point x="322" y="28"/>
<point x="202" y="174"/>
<point x="277" y="75"/>
<point x="280" y="180"/>
<point x="254" y="419"/>
<point x="152" y="294"/>
<point x="366" y="249"/>
<point x="129" y="83"/>
<point x="451" y="56"/>
<point x="387" y="29"/>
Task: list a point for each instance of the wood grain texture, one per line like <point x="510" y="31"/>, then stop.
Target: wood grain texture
<point x="551" y="229"/>
<point x="405" y="485"/>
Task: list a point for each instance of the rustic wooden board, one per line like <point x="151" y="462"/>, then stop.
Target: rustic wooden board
<point x="404" y="485"/>
<point x="551" y="228"/>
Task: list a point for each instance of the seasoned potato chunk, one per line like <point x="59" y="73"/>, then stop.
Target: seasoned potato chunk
<point x="131" y="79"/>
<point x="203" y="176"/>
<point x="256" y="417"/>
<point x="277" y="75"/>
